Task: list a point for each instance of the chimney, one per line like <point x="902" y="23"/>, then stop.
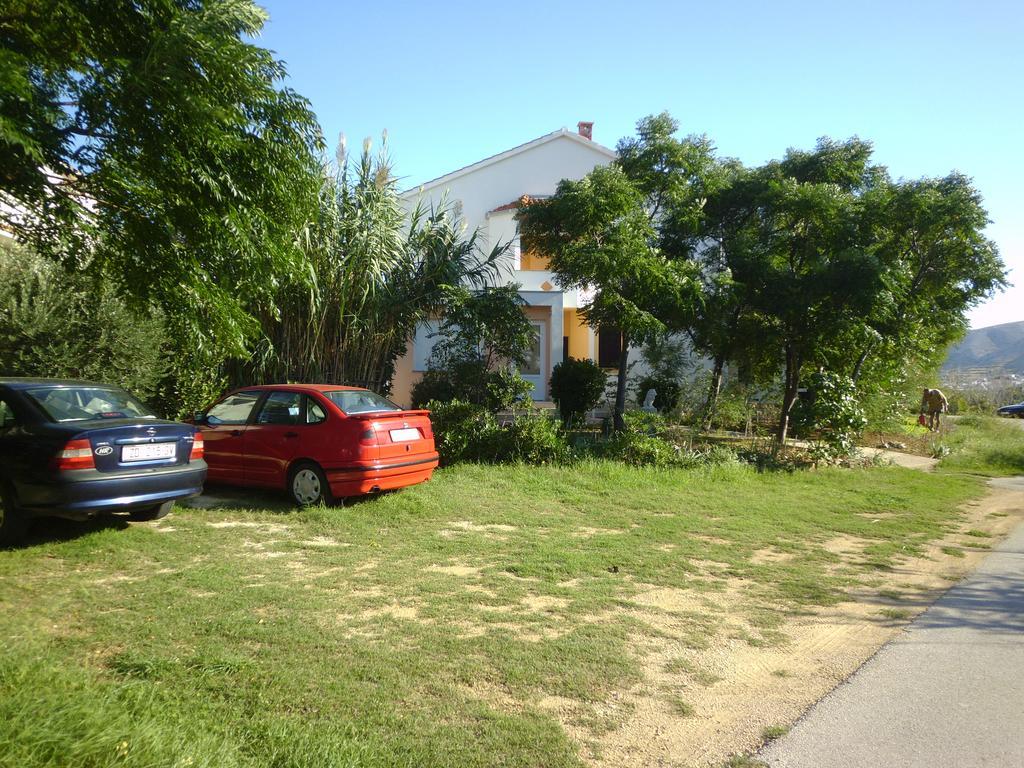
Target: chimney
<point x="586" y="129"/>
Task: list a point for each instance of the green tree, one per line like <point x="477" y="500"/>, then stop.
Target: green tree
<point x="483" y="335"/>
<point x="149" y="140"/>
<point x="56" y="323"/>
<point x="802" y="255"/>
<point x="576" y="387"/>
<point x="602" y="234"/>
<point x="936" y="264"/>
<point x="375" y="272"/>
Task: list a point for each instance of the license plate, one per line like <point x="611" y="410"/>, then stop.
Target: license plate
<point x="148" y="451"/>
<point x="404" y="435"/>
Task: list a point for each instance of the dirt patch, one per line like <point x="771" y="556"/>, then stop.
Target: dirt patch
<point x="769" y="556"/>
<point x="466" y="525"/>
<point x="733" y="689"/>
<point x="586" y="532"/>
<point x="544" y="603"/>
<point x="850" y="546"/>
<point x="456" y="570"/>
<point x="269" y="528"/>
<point x="394" y="610"/>
<point x="323" y="541"/>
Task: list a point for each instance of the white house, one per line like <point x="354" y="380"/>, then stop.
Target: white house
<point x="488" y="194"/>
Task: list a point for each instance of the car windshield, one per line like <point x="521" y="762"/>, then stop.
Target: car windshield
<point x="360" y="401"/>
<point x="84" y="403"/>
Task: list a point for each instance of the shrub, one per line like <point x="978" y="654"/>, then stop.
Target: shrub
<point x="646" y="450"/>
<point x="529" y="439"/>
<point x="55" y="323"/>
<point x="577" y="386"/>
<point x="458" y="429"/>
<point x="469" y="432"/>
<point x="471" y="381"/>
<point x="833" y="412"/>
<point x="669" y="392"/>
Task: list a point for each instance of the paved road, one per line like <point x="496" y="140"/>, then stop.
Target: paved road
<point x="949" y="691"/>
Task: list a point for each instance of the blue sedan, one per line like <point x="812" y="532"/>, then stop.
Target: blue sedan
<point x="76" y="449"/>
<point x="1012" y="411"/>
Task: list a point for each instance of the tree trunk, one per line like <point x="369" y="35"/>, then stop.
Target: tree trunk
<point x="620" y="387"/>
<point x="792" y="387"/>
<point x="716" y="386"/>
<point x="858" y="367"/>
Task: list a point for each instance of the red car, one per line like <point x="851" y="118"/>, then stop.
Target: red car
<point x="320" y="442"/>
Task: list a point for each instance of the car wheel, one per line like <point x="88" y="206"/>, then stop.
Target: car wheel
<point x="13" y="523"/>
<point x="151" y="513"/>
<point x="307" y="485"/>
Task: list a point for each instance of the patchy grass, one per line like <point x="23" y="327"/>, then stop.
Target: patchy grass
<point x="983" y="445"/>
<point x="773" y="732"/>
<point x="425" y="628"/>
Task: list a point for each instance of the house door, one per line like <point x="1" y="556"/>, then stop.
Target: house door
<point x="536" y="366"/>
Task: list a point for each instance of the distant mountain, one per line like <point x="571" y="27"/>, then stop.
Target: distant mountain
<point x="998" y="349"/>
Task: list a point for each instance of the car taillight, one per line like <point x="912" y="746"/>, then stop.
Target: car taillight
<point x="369" y="437"/>
<point x="198" y="447"/>
<point x="76" y="454"/>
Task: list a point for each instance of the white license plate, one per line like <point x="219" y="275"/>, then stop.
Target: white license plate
<point x="148" y="451"/>
<point x="404" y="435"/>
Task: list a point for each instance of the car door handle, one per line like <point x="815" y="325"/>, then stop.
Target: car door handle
<point x="291" y="434"/>
<point x="236" y="433"/>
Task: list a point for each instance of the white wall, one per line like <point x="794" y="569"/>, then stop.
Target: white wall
<point x="534" y="171"/>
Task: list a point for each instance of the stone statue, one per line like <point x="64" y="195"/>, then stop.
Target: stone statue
<point x="649" y="398"/>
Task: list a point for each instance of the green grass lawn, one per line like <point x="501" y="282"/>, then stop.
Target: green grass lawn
<point x="984" y="445"/>
<point x="424" y="628"/>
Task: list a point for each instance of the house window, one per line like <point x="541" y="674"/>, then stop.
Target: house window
<point x="530" y="258"/>
<point x="609" y="347"/>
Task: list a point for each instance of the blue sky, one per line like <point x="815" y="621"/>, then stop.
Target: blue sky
<point x="936" y="85"/>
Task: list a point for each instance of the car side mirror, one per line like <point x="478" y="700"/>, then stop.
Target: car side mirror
<point x="199" y="417"/>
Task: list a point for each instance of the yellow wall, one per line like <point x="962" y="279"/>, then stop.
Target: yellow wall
<point x="579" y="333"/>
<point x="405" y="379"/>
<point x="530" y="261"/>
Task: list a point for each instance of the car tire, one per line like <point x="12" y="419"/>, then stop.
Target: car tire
<point x="151" y="513"/>
<point x="307" y="485"/>
<point x="13" y="522"/>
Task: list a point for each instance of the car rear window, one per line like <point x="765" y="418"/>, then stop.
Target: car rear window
<point x="85" y="403"/>
<point x="360" y="401"/>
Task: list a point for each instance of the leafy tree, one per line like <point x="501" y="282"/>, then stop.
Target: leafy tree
<point x="487" y="326"/>
<point x="376" y="272"/>
<point x="577" y="386"/>
<point x="936" y="263"/>
<point x="802" y="256"/>
<point x="483" y="335"/>
<point x="149" y="140"/>
<point x="602" y="233"/>
<point x="55" y="323"/>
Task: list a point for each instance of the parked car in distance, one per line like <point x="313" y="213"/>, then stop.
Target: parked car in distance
<point x="76" y="449"/>
<point x="317" y="442"/>
<point x="1012" y="411"/>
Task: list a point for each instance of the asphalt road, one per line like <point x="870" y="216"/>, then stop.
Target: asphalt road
<point x="949" y="691"/>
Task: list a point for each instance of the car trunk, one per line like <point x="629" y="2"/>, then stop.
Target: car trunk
<point x="124" y="445"/>
<point x="400" y="434"/>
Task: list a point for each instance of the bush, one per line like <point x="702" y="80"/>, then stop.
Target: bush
<point x="470" y="381"/>
<point x="640" y="449"/>
<point x="469" y="432"/>
<point x="577" y="386"/>
<point x="832" y="412"/>
<point x="55" y="323"/>
<point x="669" y="392"/>
<point x="527" y="439"/>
